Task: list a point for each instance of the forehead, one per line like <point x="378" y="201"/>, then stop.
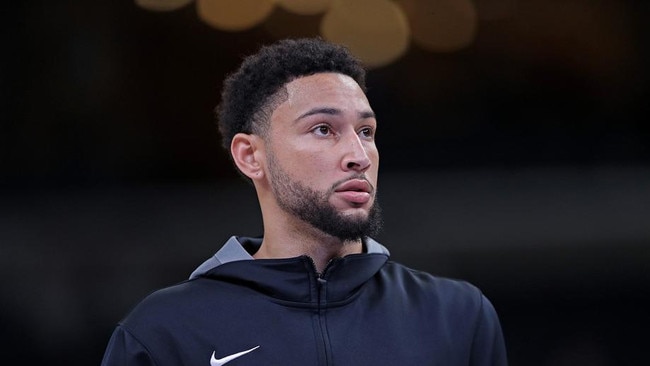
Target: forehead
<point x="326" y="90"/>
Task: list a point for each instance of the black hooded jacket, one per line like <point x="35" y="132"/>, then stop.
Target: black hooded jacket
<point x="362" y="310"/>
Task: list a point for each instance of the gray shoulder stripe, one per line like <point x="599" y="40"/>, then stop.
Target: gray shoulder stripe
<point x="231" y="251"/>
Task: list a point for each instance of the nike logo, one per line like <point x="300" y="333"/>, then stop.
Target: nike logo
<point x="222" y="361"/>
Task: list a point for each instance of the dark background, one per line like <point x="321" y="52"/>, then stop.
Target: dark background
<point x="520" y="163"/>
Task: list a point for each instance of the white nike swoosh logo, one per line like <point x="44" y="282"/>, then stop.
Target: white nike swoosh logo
<point x="225" y="360"/>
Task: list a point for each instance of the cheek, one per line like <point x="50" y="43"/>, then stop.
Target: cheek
<point x="314" y="165"/>
<point x="304" y="164"/>
<point x="373" y="172"/>
<point x="373" y="154"/>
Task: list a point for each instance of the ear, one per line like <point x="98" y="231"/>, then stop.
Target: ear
<point x="248" y="153"/>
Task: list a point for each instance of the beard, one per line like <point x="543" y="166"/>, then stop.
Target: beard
<point x="314" y="208"/>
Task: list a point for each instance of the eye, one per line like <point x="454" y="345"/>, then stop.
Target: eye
<point x="367" y="132"/>
<point x="322" y="130"/>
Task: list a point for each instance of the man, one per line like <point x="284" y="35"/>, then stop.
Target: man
<point x="316" y="289"/>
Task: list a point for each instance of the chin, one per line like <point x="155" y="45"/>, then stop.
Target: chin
<point x="357" y="213"/>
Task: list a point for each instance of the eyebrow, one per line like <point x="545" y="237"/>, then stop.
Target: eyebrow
<point x="333" y="112"/>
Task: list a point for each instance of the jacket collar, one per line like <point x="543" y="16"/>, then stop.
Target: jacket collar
<point x="292" y="279"/>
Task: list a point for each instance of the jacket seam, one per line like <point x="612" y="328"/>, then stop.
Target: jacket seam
<point x="130" y="333"/>
<point x="477" y="323"/>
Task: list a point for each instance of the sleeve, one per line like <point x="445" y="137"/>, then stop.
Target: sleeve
<point x="488" y="347"/>
<point x="125" y="350"/>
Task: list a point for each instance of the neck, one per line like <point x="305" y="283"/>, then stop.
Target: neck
<point x="304" y="240"/>
<point x="286" y="236"/>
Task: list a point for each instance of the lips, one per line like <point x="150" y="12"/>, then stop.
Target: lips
<point x="356" y="191"/>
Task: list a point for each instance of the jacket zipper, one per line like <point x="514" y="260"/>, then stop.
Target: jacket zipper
<point x="322" y="306"/>
<point x="321" y="285"/>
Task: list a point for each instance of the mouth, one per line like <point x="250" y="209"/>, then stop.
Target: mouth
<point x="354" y="185"/>
<point x="356" y="191"/>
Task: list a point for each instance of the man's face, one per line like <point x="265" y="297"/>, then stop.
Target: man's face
<point x="322" y="157"/>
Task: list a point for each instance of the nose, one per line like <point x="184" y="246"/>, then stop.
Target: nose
<point x="356" y="155"/>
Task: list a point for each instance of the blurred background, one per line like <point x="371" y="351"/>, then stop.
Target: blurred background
<point x="515" y="154"/>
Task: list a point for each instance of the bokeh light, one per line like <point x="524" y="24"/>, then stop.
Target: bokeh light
<point x="162" y="5"/>
<point x="234" y="15"/>
<point x="376" y="31"/>
<point x="305" y="7"/>
<point x="441" y="25"/>
<point x="283" y="24"/>
<point x="495" y="9"/>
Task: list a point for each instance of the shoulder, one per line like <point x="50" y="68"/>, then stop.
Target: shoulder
<point x="457" y="308"/>
<point x="410" y="276"/>
<point x="161" y="308"/>
<point x="457" y="304"/>
<point x="450" y="293"/>
<point x="174" y="318"/>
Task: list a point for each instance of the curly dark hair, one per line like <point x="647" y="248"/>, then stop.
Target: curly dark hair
<point x="250" y="94"/>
